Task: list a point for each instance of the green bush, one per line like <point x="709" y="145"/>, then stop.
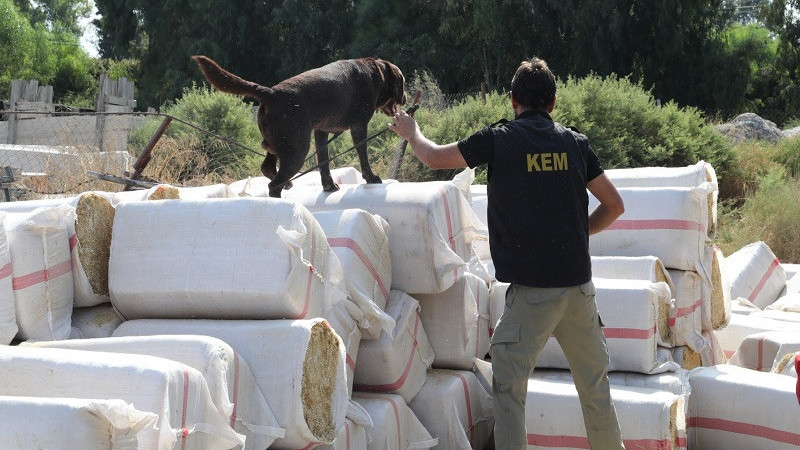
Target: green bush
<point x="221" y="114"/>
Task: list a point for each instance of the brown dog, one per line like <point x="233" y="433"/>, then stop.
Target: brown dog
<point x="339" y="96"/>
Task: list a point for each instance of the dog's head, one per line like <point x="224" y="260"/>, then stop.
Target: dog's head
<point x="394" y="84"/>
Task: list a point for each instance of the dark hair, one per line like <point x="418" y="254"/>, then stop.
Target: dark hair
<point x="534" y="85"/>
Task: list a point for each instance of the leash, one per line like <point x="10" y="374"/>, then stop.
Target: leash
<point x="355" y="146"/>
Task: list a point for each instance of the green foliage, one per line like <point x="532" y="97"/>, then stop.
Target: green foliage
<point x="627" y="128"/>
<point x="222" y="114"/>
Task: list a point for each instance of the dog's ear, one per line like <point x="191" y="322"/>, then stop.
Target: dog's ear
<point x="394" y="78"/>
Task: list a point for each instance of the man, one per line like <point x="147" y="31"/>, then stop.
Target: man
<point x="539" y="227"/>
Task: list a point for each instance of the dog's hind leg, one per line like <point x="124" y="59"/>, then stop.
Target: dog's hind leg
<point x="323" y="161"/>
<point x="291" y="161"/>
<point x="359" y="134"/>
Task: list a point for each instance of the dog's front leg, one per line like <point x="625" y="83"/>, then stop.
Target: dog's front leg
<point x="323" y="161"/>
<point x="359" y="134"/>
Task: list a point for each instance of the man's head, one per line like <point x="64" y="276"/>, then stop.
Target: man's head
<point x="534" y="85"/>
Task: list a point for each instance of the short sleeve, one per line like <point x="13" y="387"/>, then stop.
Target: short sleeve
<point x="478" y="149"/>
<point x="593" y="167"/>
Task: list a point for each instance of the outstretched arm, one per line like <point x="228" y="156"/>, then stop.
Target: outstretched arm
<point x="611" y="205"/>
<point x="430" y="153"/>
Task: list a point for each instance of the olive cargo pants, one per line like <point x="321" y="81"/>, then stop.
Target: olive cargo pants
<point x="531" y="316"/>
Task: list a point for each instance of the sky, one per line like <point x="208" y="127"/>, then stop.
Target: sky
<point x="89" y="38"/>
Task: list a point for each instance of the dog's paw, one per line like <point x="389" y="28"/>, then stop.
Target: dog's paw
<point x="373" y="179"/>
<point x="330" y="187"/>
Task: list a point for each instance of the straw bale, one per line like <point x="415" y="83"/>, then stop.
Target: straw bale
<point x="93" y="223"/>
<point x="319" y="381"/>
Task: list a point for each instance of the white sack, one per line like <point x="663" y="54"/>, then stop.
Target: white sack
<point x="633" y="312"/>
<point x="174" y="391"/>
<point x="792" y="281"/>
<point x="688" y="176"/>
<point x="742" y="326"/>
<point x="344" y="318"/>
<point x="299" y="366"/>
<point x="230" y="382"/>
<point x="676" y="382"/>
<point x="8" y="319"/>
<point x="201" y="192"/>
<point x="455" y="409"/>
<point x="396" y="363"/>
<point x="686" y="313"/>
<point x="479" y="200"/>
<point x="648" y="418"/>
<point x="259" y="186"/>
<point x="242" y="258"/>
<point x="763" y="351"/>
<point x="360" y="241"/>
<point x="787" y="303"/>
<point x="756" y="274"/>
<point x="70" y="423"/>
<point x="675" y="224"/>
<point x="456" y="322"/>
<point x="351" y="436"/>
<point x="497" y="303"/>
<point x="736" y="408"/>
<point x="42" y="273"/>
<point x="94" y="322"/>
<point x="648" y="268"/>
<point x="432" y="227"/>
<point x="395" y="427"/>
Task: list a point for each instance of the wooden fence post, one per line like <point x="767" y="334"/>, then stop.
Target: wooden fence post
<point x="27" y="96"/>
<point x="112" y="96"/>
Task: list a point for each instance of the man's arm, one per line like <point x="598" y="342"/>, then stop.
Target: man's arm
<point x="430" y="153"/>
<point x="611" y="205"/>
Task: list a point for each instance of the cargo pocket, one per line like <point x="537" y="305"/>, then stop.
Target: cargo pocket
<point x="507" y="356"/>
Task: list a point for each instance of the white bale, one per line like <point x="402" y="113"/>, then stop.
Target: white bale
<point x="787" y="303"/>
<point x="230" y="382"/>
<point x="686" y="314"/>
<point x="42" y="273"/>
<point x="396" y="427"/>
<point x="174" y="391"/>
<point x="71" y="423"/>
<point x="792" y="283"/>
<point x="736" y="408"/>
<point x="299" y="366"/>
<point x="88" y="218"/>
<point x="238" y="258"/>
<point x="455" y="409"/>
<point x="344" y="318"/>
<point x="432" y="227"/>
<point x="8" y="319"/>
<point x="742" y="326"/>
<point x="676" y="382"/>
<point x="791" y="270"/>
<point x="497" y="303"/>
<point x="709" y="354"/>
<point x="675" y="224"/>
<point x="360" y="241"/>
<point x="648" y="418"/>
<point x="756" y="274"/>
<point x="742" y="306"/>
<point x="259" y="186"/>
<point x="351" y="436"/>
<point x="479" y="200"/>
<point x="634" y="312"/>
<point x="763" y="351"/>
<point x="456" y="322"/>
<point x="157" y="192"/>
<point x="94" y="322"/>
<point x="396" y="363"/>
<point x="688" y="176"/>
<point x="631" y="268"/>
<point x="219" y="190"/>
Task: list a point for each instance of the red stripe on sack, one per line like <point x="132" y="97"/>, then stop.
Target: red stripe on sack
<point x="5" y="271"/>
<point x="396" y="419"/>
<point x="347" y="434"/>
<point x="728" y="353"/>
<point x="310" y="275"/>
<point x="184" y="431"/>
<point x="542" y="440"/>
<point x="775" y="263"/>
<point x="310" y="445"/>
<point x="760" y="346"/>
<point x="685" y="311"/>
<point x="658" y="224"/>
<point x="391" y="387"/>
<point x="353" y="245"/>
<point x="235" y="387"/>
<point x="73" y="241"/>
<point x="681" y="442"/>
<point x="450" y="238"/>
<point x="478" y="322"/>
<point x="749" y="429"/>
<point x="469" y="410"/>
<point x="350" y="363"/>
<point x="628" y="333"/>
<point x="26" y="281"/>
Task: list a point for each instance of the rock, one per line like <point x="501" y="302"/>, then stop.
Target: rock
<point x="791" y="132"/>
<point x="749" y="126"/>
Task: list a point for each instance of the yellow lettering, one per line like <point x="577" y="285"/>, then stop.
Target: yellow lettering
<point x="533" y="162"/>
<point x="560" y="161"/>
<point x="547" y="159"/>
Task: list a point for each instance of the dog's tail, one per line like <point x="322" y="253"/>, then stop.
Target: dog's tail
<point x="225" y="81"/>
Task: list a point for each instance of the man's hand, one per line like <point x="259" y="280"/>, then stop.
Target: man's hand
<point x="404" y="125"/>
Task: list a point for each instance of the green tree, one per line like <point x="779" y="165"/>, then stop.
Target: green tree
<point x="782" y="17"/>
<point x="56" y="15"/>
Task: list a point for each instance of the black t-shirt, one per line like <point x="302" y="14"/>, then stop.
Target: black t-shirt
<point x="538" y="206"/>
